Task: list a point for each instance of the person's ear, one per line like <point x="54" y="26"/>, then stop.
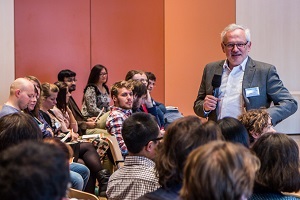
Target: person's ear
<point x="223" y="47"/>
<point x="134" y="96"/>
<point x="249" y="46"/>
<point x="149" y="146"/>
<point x="114" y="98"/>
<point x="17" y="93"/>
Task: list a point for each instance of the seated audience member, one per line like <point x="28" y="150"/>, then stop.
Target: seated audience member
<point x="63" y="113"/>
<point x="33" y="108"/>
<point x="16" y="128"/>
<point x="137" y="177"/>
<point x="87" y="153"/>
<point x="96" y="93"/>
<point x="257" y="122"/>
<point x="21" y="92"/>
<point x="79" y="174"/>
<point x="161" y="109"/>
<point x="122" y="96"/>
<point x="139" y="94"/>
<point x="33" y="170"/>
<point x="279" y="171"/>
<point x="181" y="137"/>
<point x="137" y="75"/>
<point x="234" y="131"/>
<point x="219" y="170"/>
<point x="85" y="125"/>
<point x="147" y="104"/>
<point x="48" y="101"/>
<point x="140" y="97"/>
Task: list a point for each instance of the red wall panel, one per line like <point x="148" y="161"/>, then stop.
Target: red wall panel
<point x="129" y="35"/>
<point x="51" y="35"/>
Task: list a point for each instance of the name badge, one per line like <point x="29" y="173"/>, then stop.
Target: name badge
<point x="252" y="92"/>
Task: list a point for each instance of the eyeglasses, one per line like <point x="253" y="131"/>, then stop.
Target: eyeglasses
<point x="103" y="74"/>
<point x="230" y="46"/>
<point x="154" y="140"/>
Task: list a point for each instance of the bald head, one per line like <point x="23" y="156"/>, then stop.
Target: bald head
<point x="21" y="92"/>
<point x="20" y="84"/>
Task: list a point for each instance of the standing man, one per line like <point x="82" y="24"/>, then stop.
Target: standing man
<point x="243" y="83"/>
<point x="122" y="96"/>
<point x="137" y="177"/>
<point x="21" y="92"/>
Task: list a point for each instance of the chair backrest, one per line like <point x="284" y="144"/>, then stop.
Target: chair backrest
<point x="72" y="193"/>
<point x="115" y="151"/>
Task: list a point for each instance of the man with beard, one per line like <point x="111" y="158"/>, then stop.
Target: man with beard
<point x="122" y="96"/>
<point x="85" y="125"/>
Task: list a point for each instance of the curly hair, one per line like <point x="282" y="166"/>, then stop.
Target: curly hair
<point x="255" y="121"/>
<point x="119" y="85"/>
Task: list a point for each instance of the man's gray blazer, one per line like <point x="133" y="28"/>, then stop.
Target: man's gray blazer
<point x="257" y="74"/>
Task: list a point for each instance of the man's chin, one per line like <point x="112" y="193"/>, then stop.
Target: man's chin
<point x="72" y="89"/>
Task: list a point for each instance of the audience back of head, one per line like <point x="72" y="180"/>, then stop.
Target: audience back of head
<point x="219" y="170"/>
<point x="33" y="170"/>
<point x="181" y="137"/>
<point x="257" y="122"/>
<point x="234" y="131"/>
<point x="64" y="147"/>
<point x="138" y="130"/>
<point x="279" y="157"/>
<point x="211" y="129"/>
<point x="16" y="128"/>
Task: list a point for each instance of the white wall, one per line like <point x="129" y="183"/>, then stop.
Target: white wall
<point x="7" y="59"/>
<point x="275" y="28"/>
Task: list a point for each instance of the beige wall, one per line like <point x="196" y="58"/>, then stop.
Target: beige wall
<point x="7" y="65"/>
<point x="275" y="27"/>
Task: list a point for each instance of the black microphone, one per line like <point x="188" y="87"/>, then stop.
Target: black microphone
<point x="216" y="83"/>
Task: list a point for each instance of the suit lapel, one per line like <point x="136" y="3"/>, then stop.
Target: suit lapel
<point x="248" y="78"/>
<point x="249" y="73"/>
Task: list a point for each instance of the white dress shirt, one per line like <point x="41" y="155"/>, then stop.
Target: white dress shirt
<point x="231" y="102"/>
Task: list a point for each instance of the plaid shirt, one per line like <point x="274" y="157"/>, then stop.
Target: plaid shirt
<point x="114" y="125"/>
<point x="132" y="181"/>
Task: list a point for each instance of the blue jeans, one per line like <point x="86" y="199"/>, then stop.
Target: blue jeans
<point x="79" y="175"/>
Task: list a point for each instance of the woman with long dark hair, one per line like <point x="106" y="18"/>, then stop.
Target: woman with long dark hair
<point x="96" y="92"/>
